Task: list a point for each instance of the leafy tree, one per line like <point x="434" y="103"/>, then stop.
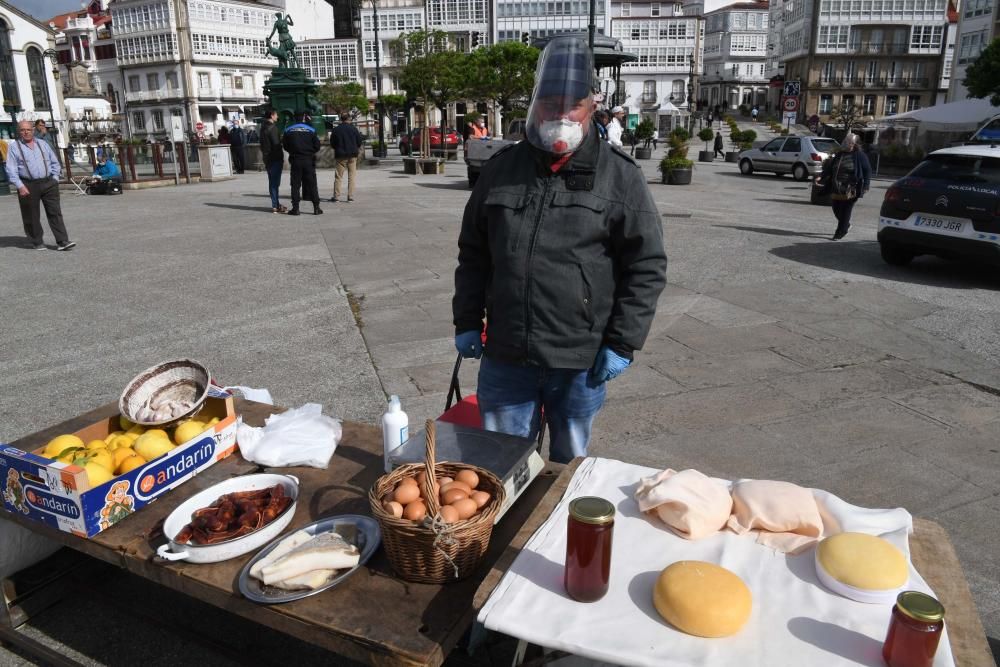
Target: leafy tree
<point x="707" y="134"/>
<point x="848" y="115"/>
<point x="504" y="74"/>
<point x="432" y="72"/>
<point x="393" y="103"/>
<point x="982" y="78"/>
<point x="347" y="98"/>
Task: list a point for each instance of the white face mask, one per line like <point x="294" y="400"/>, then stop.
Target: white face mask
<point x="561" y="136"/>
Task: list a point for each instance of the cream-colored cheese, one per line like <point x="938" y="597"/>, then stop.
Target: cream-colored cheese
<point x="863" y="561"/>
<point x="702" y="599"/>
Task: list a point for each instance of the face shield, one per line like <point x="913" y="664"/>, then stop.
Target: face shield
<point x="562" y="100"/>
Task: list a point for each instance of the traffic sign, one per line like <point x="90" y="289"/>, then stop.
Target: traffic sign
<point x="792" y="88"/>
<point x="790" y="104"/>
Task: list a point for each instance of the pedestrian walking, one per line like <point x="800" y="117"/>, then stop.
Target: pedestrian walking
<point x="42" y="132"/>
<point x="718" y="145"/>
<point x="754" y="112"/>
<point x="346" y="142"/>
<point x="273" y="157"/>
<point x="846" y="177"/>
<point x="615" y="128"/>
<point x="33" y="168"/>
<point x="568" y="309"/>
<point x="302" y="144"/>
<point x="237" y="146"/>
<point x="601" y="120"/>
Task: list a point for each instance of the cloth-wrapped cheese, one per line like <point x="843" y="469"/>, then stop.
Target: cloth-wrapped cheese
<point x="691" y="504"/>
<point x="785" y="514"/>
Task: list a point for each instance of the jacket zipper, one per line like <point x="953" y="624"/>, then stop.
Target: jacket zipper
<point x="527" y="270"/>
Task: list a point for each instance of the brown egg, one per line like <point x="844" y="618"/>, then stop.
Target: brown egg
<point x="444" y="480"/>
<point x="449" y="514"/>
<point x="466" y="507"/>
<point x="406" y="494"/>
<point x="456" y="485"/>
<point x="480" y="497"/>
<point x="415" y="511"/>
<point x="468" y="477"/>
<point x="451" y="495"/>
<point x="394" y="508"/>
<point x="408" y="480"/>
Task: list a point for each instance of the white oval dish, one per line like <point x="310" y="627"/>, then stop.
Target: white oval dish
<point x="213" y="553"/>
<point x="868" y="596"/>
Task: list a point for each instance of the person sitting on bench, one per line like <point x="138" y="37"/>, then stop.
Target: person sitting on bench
<point x="107" y="178"/>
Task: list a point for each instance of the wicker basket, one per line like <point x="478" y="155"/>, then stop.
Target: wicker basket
<point x="435" y="552"/>
<point x="182" y="380"/>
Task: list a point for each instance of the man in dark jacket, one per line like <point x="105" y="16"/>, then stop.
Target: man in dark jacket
<point x="846" y="177"/>
<point x="302" y="144"/>
<point x="237" y="146"/>
<point x="561" y="249"/>
<point x="718" y="145"/>
<point x="273" y="158"/>
<point x="346" y="142"/>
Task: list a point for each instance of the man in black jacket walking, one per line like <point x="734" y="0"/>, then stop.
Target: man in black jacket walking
<point x="274" y="158"/>
<point x="346" y="142"/>
<point x="302" y="144"/>
<point x="237" y="147"/>
<point x="561" y="249"/>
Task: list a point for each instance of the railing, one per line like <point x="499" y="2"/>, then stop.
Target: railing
<point x="138" y="162"/>
<point x="864" y="82"/>
<point x="648" y="98"/>
<point x="241" y="93"/>
<point x="869" y="48"/>
<point x="153" y="95"/>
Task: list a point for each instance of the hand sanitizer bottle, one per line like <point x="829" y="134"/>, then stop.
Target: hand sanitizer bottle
<point x="395" y="429"/>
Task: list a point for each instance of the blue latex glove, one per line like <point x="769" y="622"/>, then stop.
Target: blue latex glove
<point x="469" y="344"/>
<point x="608" y="365"/>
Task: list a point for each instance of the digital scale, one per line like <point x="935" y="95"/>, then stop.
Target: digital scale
<point x="511" y="458"/>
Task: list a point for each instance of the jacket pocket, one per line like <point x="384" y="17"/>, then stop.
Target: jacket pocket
<point x="506" y="209"/>
<point x="579" y="199"/>
<point x="587" y="295"/>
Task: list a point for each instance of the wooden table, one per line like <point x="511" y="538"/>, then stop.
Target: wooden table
<point x="372" y="617"/>
<point x="930" y="550"/>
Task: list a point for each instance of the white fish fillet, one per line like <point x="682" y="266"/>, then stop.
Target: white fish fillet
<point x="297" y="538"/>
<point x="307" y="581"/>
<point x="327" y="551"/>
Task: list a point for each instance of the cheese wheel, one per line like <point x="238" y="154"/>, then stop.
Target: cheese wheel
<point x="702" y="599"/>
<point x="863" y="561"/>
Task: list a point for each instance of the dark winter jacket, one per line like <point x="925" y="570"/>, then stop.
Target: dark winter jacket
<point x="346" y="141"/>
<point x="301" y="142"/>
<point x="847" y="168"/>
<point x="237" y="137"/>
<point x="559" y="263"/>
<point x="270" y="143"/>
<point x="718" y="145"/>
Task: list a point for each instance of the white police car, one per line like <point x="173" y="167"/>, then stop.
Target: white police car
<point x="949" y="206"/>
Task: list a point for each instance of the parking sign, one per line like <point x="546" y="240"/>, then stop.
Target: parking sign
<point x="792" y="88"/>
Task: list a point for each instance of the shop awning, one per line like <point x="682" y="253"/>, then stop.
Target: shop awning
<point x="964" y="116"/>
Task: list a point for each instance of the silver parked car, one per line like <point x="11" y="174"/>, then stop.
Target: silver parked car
<point x="801" y="156"/>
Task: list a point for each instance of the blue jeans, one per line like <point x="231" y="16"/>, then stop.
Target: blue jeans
<point x="511" y="399"/>
<point x="274" y="181"/>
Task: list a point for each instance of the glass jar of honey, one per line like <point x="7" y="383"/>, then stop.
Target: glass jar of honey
<point x="588" y="548"/>
<point x="914" y="631"/>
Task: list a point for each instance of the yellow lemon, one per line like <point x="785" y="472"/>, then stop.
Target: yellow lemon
<point x="120" y="455"/>
<point x="112" y="436"/>
<point x="97" y="444"/>
<point x="212" y="422"/>
<point x="125" y="423"/>
<point x="102" y="457"/>
<point x="158" y="432"/>
<point x="60" y="444"/>
<point x="136" y="429"/>
<point x="150" y="446"/>
<point x="132" y="437"/>
<point x="120" y="442"/>
<point x="97" y="474"/>
<point x="188" y="430"/>
<point x="129" y="464"/>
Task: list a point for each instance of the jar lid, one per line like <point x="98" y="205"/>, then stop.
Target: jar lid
<point x="591" y="509"/>
<point x="920" y="606"/>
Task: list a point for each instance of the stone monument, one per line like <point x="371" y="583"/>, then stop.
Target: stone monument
<point x="290" y="90"/>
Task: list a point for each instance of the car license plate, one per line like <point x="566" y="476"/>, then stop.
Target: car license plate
<point x="934" y="223"/>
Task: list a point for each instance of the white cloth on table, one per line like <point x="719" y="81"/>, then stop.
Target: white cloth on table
<point x="795" y="621"/>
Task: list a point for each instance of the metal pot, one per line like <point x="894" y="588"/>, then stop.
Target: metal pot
<point x="213" y="553"/>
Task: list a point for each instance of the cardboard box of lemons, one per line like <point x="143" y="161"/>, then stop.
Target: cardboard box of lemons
<point x="152" y="445"/>
<point x="129" y="464"/>
<point x="119" y="455"/>
<point x="60" y="444"/>
<point x="188" y="430"/>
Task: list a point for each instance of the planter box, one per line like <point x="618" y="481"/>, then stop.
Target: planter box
<point x="431" y="166"/>
<point x="410" y="165"/>
<point x="679" y="176"/>
<point x="706" y="156"/>
<point x="643" y="153"/>
<point x="59" y="494"/>
<point x="732" y="156"/>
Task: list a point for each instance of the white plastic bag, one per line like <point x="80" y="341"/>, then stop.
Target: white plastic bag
<point x="251" y="394"/>
<point x="299" y="437"/>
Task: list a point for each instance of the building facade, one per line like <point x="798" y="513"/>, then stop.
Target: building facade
<point x="335" y="59"/>
<point x="27" y="79"/>
<point x="667" y="42"/>
<point x="735" y="69"/>
<point x="979" y="24"/>
<point x="883" y="55"/>
<point x="774" y="63"/>
<point x="526" y="20"/>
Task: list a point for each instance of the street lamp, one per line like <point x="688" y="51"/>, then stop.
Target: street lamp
<point x="54" y="59"/>
<point x="379" y="108"/>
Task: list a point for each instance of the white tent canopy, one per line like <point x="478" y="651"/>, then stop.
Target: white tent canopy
<point x="964" y="116"/>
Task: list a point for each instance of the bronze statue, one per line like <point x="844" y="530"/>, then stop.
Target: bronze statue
<point x="285" y="51"/>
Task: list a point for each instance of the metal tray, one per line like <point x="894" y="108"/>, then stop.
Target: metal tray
<point x="361" y="531"/>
